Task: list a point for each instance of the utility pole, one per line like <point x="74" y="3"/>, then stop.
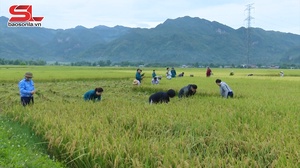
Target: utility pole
<point x="248" y="19"/>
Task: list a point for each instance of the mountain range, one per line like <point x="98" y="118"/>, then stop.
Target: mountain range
<point x="181" y="40"/>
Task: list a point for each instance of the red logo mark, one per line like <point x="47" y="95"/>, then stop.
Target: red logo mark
<point x="24" y="13"/>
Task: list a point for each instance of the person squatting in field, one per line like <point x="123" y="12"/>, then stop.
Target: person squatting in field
<point x="93" y="95"/>
<point x="155" y="81"/>
<point x="187" y="91"/>
<point x="26" y="87"/>
<point x="181" y="74"/>
<point x="173" y="73"/>
<point x="225" y="90"/>
<point x="161" y="97"/>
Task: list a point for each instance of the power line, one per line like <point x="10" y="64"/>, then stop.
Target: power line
<point x="248" y="19"/>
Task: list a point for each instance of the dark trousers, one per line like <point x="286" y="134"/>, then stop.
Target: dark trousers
<point x="27" y="100"/>
<point x="230" y="94"/>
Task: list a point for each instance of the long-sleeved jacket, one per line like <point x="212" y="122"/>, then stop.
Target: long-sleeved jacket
<point x="159" y="97"/>
<point x="224" y="89"/>
<point x="169" y="74"/>
<point x="173" y="73"/>
<point x="186" y="91"/>
<point x="153" y="75"/>
<point x="138" y="76"/>
<point x="26" y="87"/>
<point x="91" y="95"/>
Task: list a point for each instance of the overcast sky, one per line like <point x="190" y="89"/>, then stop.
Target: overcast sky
<point x="277" y="15"/>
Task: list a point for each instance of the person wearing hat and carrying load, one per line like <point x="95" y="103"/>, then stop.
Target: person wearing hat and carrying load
<point x="26" y="87"/>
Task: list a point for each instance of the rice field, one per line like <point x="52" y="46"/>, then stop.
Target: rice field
<point x="259" y="127"/>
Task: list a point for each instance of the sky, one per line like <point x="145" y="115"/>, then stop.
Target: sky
<point x="276" y="15"/>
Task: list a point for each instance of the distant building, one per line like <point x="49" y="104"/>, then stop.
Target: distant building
<point x="184" y="66"/>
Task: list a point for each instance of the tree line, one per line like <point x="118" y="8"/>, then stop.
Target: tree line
<point x="137" y="64"/>
<point x="22" y="62"/>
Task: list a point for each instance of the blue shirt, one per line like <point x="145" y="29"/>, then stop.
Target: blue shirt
<point x="173" y="72"/>
<point x="153" y="74"/>
<point x="91" y="95"/>
<point x="138" y="76"/>
<point x="26" y="87"/>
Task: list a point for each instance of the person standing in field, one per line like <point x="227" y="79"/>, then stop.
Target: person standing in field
<point x="168" y="73"/>
<point x="26" y="87"/>
<point x="153" y="74"/>
<point x="225" y="90"/>
<point x="187" y="91"/>
<point x="162" y="97"/>
<point x="93" y="95"/>
<point x="138" y="76"/>
<point x="173" y="73"/>
<point x="208" y="72"/>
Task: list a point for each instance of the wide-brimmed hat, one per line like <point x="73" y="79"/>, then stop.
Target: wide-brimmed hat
<point x="28" y="74"/>
<point x="135" y="82"/>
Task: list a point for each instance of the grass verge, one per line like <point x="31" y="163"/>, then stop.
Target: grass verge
<point x="20" y="147"/>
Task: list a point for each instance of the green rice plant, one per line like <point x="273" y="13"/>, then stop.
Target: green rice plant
<point x="257" y="128"/>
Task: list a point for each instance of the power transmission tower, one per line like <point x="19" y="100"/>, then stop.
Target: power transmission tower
<point x="248" y="19"/>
